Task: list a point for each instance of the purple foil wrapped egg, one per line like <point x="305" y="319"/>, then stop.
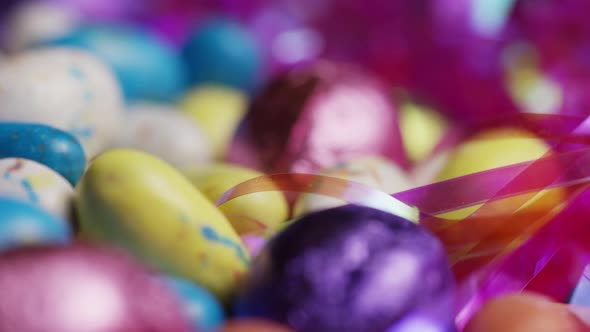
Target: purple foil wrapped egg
<point x="313" y="118"/>
<point x="83" y="289"/>
<point x="351" y="269"/>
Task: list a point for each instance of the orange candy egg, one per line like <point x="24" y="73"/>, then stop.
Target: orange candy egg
<point x="254" y="325"/>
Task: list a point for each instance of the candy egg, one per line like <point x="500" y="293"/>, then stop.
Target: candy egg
<point x="203" y="310"/>
<point x="33" y="22"/>
<point x="218" y="110"/>
<point x="147" y="68"/>
<point x="265" y="210"/>
<point x="79" y="288"/>
<point x="51" y="147"/>
<point x="524" y="313"/>
<point x="222" y="52"/>
<point x="317" y="117"/>
<point x="496" y="148"/>
<point x="351" y="269"/>
<point x="253" y="325"/>
<point x="37" y="184"/>
<point x="136" y="201"/>
<point x="64" y="88"/>
<point x="23" y="224"/>
<point x="376" y="172"/>
<point x="165" y="132"/>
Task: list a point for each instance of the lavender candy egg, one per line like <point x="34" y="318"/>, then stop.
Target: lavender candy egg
<point x="166" y="132"/>
<point x="64" y="88"/>
<point x="83" y="289"/>
<point x="351" y="269"/>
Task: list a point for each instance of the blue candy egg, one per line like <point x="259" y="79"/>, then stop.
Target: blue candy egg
<point x="22" y="224"/>
<point x="147" y="68"/>
<point x="203" y="310"/>
<point x="222" y="52"/>
<point x="46" y="145"/>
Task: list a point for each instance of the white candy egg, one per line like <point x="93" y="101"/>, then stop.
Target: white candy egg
<point x="65" y="88"/>
<point x="166" y="132"/>
<point x="32" y="22"/>
<point x="375" y="172"/>
<point x="35" y="183"/>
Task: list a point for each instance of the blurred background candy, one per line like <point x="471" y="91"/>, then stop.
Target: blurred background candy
<point x="218" y="110"/>
<point x="253" y="325"/>
<point x="81" y="288"/>
<point x="255" y="212"/>
<point x="36" y="184"/>
<point x="49" y="146"/>
<point x="24" y="225"/>
<point x="133" y="200"/>
<point x="166" y="132"/>
<point x="220" y="51"/>
<point x="203" y="310"/>
<point x="315" y="118"/>
<point x="147" y="68"/>
<point x="351" y="268"/>
<point x="68" y="89"/>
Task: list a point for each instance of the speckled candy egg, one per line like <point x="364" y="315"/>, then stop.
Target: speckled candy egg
<point x="37" y="184"/>
<point x="32" y="22"/>
<point x="64" y="88"/>
<point x="375" y="172"/>
<point x="147" y="68"/>
<point x="202" y="309"/>
<point x="166" y="132"/>
<point x="49" y="146"/>
<point x="351" y="269"/>
<point x="136" y="201"/>
<point x="78" y="288"/>
<point x="23" y="224"/>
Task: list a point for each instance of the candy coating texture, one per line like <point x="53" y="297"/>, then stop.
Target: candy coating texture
<point x="78" y="288"/>
<point x="36" y="184"/>
<point x="49" y="146"/>
<point x="64" y="88"/>
<point x="146" y="67"/>
<point x="222" y="52"/>
<point x="351" y="269"/>
<point x="23" y="224"/>
<point x="136" y="201"/>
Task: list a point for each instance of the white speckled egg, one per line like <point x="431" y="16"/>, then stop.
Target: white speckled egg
<point x="164" y="131"/>
<point x="375" y="172"/>
<point x="35" y="183"/>
<point x="32" y="22"/>
<point x="65" y="88"/>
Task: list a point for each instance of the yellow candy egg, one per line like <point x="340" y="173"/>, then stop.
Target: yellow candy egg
<point x="218" y="111"/>
<point x="422" y="130"/>
<point x="255" y="211"/>
<point x="496" y="148"/>
<point x="136" y="201"/>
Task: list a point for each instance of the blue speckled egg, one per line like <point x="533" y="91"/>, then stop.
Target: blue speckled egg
<point x="201" y="308"/>
<point x="353" y="269"/>
<point x="22" y="224"/>
<point x="46" y="145"/>
<point x="145" y="66"/>
<point x="223" y="52"/>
